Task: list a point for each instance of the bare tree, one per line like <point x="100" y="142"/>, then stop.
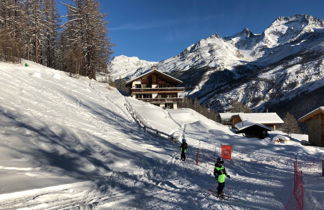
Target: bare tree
<point x="239" y="107"/>
<point x="195" y="105"/>
<point x="51" y="45"/>
<point x="85" y="30"/>
<point x="11" y="19"/>
<point x="290" y="125"/>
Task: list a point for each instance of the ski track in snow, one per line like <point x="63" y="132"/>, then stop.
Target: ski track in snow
<point x="71" y="143"/>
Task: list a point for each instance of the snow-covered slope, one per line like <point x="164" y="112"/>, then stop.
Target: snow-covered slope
<point x="282" y="62"/>
<point x="214" y="52"/>
<point x="123" y="66"/>
<point x="71" y="143"/>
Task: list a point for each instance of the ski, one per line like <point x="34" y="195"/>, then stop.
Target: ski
<point x="224" y="197"/>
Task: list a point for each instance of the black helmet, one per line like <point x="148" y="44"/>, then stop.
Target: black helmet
<point x="220" y="160"/>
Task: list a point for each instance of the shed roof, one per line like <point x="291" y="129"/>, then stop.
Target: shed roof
<point x="263" y="118"/>
<point x="246" y="124"/>
<point x="311" y="114"/>
<point x="154" y="69"/>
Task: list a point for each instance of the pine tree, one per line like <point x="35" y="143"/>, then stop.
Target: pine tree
<point x="85" y="38"/>
<point x="290" y="125"/>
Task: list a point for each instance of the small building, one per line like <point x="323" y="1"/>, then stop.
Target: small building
<point x="315" y="126"/>
<point x="157" y="88"/>
<point x="252" y="129"/>
<point x="269" y="119"/>
<point x="226" y="118"/>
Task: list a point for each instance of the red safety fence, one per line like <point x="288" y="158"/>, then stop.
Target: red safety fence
<point x="205" y="158"/>
<point x="296" y="200"/>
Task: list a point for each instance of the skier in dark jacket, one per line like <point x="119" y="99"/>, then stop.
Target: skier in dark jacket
<point x="184" y="149"/>
<point x="220" y="175"/>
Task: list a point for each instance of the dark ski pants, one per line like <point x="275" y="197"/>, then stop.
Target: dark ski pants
<point x="220" y="188"/>
<point x="183" y="156"/>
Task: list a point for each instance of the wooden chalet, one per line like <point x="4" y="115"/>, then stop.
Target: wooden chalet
<point x="315" y="126"/>
<point x="157" y="88"/>
<point x="269" y="119"/>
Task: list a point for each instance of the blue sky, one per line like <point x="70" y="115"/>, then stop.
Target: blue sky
<point x="159" y="29"/>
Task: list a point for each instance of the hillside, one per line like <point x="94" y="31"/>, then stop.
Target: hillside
<point x="72" y="143"/>
<point x="259" y="70"/>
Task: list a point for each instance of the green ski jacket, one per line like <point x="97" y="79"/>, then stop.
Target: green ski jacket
<point x="220" y="174"/>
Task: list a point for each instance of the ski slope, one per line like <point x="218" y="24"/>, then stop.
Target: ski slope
<point x="72" y="143"/>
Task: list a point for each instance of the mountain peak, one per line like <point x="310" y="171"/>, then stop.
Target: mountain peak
<point x="246" y="32"/>
<point x="286" y="29"/>
<point x="297" y="18"/>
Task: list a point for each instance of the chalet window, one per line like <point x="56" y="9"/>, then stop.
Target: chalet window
<point x="138" y="86"/>
<point x="147" y="95"/>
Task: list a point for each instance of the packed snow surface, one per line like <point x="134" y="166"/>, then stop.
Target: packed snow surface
<point x="72" y="143"/>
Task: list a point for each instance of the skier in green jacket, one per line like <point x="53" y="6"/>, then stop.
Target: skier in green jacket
<point x="220" y="175"/>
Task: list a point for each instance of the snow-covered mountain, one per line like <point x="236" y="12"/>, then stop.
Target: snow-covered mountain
<point x="123" y="66"/>
<point x="287" y="61"/>
<point x="259" y="70"/>
<point x="244" y="47"/>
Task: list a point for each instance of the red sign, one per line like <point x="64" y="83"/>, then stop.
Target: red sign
<point x="227" y="152"/>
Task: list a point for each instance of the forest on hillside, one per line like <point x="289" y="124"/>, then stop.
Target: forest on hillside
<point x="76" y="42"/>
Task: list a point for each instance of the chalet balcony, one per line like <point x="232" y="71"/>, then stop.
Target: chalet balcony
<point x="160" y="100"/>
<point x="159" y="89"/>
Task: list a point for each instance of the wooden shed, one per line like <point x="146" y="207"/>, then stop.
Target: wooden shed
<point x="252" y="129"/>
<point x="315" y="126"/>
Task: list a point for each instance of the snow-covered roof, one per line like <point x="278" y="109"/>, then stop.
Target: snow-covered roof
<point x="154" y="70"/>
<point x="311" y="114"/>
<point x="263" y="118"/>
<point x="245" y="124"/>
<point x="227" y="116"/>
